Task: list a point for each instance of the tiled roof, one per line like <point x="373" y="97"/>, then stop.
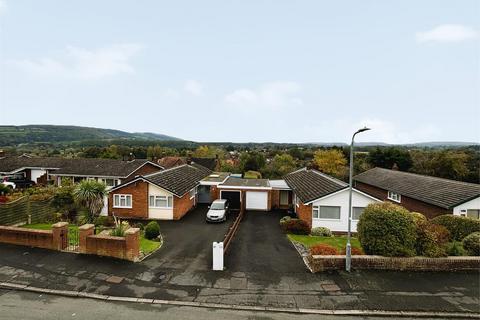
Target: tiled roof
<point x="170" y="162"/>
<point x="210" y="163"/>
<point x="310" y="185"/>
<point x="76" y="166"/>
<point x="179" y="180"/>
<point x="440" y="192"/>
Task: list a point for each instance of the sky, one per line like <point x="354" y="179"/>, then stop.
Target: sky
<point x="245" y="71"/>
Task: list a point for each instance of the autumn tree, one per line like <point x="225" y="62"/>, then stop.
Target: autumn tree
<point x="331" y="162"/>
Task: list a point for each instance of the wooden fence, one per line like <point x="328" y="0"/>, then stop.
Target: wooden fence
<point x="24" y="210"/>
<point x="232" y="231"/>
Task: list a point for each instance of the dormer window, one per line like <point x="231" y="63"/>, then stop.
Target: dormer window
<point x="396" y="197"/>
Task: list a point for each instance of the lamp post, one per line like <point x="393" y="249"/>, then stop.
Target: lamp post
<point x="348" y="250"/>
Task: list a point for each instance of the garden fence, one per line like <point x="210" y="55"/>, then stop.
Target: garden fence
<point x="24" y="210"/>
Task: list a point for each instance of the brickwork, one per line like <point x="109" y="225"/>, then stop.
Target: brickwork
<point x="304" y="213"/>
<point x="83" y="232"/>
<point x="430" y="211"/>
<point x="182" y="205"/>
<point x="324" y="263"/>
<point x="27" y="237"/>
<point x="139" y="210"/>
<point x="127" y="247"/>
<point x="214" y="193"/>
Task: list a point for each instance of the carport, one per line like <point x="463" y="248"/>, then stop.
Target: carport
<point x="249" y="194"/>
<point x="207" y="191"/>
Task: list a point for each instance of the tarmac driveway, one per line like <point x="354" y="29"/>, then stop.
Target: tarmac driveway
<point x="188" y="242"/>
<point x="260" y="246"/>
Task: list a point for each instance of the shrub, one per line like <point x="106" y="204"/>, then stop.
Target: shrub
<point x="120" y="228"/>
<point x="471" y="244"/>
<point x="105" y="221"/>
<point x="459" y="227"/>
<point x="387" y="229"/>
<point x="4" y="190"/>
<point x="355" y="252"/>
<point x="418" y="217"/>
<point x="283" y="221"/>
<point x="321" y="232"/>
<point x="455" y="249"/>
<point x="431" y="239"/>
<point x="296" y="226"/>
<point x="323" y="249"/>
<point x="152" y="230"/>
<point x="139" y="225"/>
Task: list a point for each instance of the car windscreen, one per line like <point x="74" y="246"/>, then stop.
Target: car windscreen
<point x="217" y="206"/>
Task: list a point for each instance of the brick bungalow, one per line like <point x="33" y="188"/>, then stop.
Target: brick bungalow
<point x="322" y="201"/>
<point x="164" y="195"/>
<point x="431" y="196"/>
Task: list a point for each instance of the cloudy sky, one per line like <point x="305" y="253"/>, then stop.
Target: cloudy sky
<point x="282" y="71"/>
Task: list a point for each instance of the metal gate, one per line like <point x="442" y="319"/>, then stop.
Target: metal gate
<point x="70" y="240"/>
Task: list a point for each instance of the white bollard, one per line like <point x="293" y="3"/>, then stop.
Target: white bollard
<point x="218" y="256"/>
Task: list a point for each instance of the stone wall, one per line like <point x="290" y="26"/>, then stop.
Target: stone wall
<point x="324" y="263"/>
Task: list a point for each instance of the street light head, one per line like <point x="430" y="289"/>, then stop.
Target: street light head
<point x="363" y="129"/>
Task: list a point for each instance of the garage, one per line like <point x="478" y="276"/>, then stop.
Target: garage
<point x="256" y="200"/>
<point x="233" y="198"/>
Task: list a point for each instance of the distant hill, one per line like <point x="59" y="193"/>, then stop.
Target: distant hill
<point x="15" y="135"/>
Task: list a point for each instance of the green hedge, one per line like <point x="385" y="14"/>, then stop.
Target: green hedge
<point x="471" y="244"/>
<point x="152" y="230"/>
<point x="387" y="229"/>
<point x="459" y="227"/>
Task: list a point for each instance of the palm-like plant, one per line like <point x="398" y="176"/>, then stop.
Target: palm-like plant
<point x="90" y="194"/>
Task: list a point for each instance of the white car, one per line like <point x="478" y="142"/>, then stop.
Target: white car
<point x="9" y="184"/>
<point x="218" y="211"/>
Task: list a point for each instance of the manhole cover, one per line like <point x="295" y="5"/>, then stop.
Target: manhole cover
<point x="114" y="279"/>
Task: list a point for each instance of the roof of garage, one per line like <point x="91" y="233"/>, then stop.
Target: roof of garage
<point x="233" y="182"/>
<point x="279" y="184"/>
<point x="216" y="177"/>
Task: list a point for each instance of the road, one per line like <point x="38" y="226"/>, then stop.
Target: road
<point x="30" y="305"/>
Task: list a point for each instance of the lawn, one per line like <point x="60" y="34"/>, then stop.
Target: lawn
<point x="338" y="242"/>
<point x="146" y="245"/>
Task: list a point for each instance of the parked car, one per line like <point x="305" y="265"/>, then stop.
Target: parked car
<point x="9" y="184"/>
<point x="17" y="181"/>
<point x="218" y="211"/>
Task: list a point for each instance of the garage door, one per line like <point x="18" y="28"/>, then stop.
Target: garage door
<point x="233" y="198"/>
<point x="257" y="200"/>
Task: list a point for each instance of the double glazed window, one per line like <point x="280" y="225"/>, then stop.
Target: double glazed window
<point x="326" y="212"/>
<point x="394" y="196"/>
<point x="357" y="212"/>
<point x="122" y="200"/>
<point x="160" y="201"/>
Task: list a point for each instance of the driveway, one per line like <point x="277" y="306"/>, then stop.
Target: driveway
<point x="260" y="246"/>
<point x="188" y="242"/>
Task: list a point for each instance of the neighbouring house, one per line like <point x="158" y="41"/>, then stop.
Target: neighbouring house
<point x="431" y="196"/>
<point x="171" y="162"/>
<point x="322" y="201"/>
<point x="35" y="169"/>
<point x="164" y="195"/>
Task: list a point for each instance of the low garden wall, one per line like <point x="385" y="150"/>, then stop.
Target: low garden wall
<point x="127" y="247"/>
<point x="47" y="239"/>
<point x="324" y="263"/>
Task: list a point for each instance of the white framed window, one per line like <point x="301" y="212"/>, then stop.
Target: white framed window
<point x="122" y="200"/>
<point x="357" y="212"/>
<point x="165" y="202"/>
<point x="473" y="213"/>
<point x="109" y="182"/>
<point x="394" y="196"/>
<point x="326" y="212"/>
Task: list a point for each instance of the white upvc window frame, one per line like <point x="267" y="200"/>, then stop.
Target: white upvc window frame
<point x="117" y="200"/>
<point x="395" y="197"/>
<point x="353" y="210"/>
<point x="318" y="210"/>
<point x="167" y="199"/>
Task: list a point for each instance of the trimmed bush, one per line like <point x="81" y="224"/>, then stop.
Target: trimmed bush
<point x="417" y="217"/>
<point x="296" y="226"/>
<point x="152" y="230"/>
<point x="321" y="232"/>
<point x="471" y="244"/>
<point x="323" y="249"/>
<point x="455" y="249"/>
<point x="431" y="239"/>
<point x="458" y="226"/>
<point x="387" y="229"/>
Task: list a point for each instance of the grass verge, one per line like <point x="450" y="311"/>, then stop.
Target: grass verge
<point x="338" y="242"/>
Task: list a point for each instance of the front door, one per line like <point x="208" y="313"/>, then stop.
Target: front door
<point x="284" y="197"/>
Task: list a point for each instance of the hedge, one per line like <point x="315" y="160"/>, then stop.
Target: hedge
<point x="152" y="230"/>
<point x="458" y="226"/>
<point x="296" y="226"/>
<point x="471" y="244"/>
<point x="387" y="229"/>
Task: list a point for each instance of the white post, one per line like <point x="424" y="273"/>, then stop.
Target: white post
<point x="217" y="256"/>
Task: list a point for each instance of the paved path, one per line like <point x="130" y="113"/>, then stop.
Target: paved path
<point x="19" y="305"/>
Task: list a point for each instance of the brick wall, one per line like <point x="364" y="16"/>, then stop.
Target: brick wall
<point x="27" y="237"/>
<point x="139" y="210"/>
<point x="127" y="248"/>
<point x="324" y="263"/>
<point x="182" y="205"/>
<point x="275" y="198"/>
<point x="214" y="193"/>
<point x="430" y="211"/>
<point x="144" y="170"/>
<point x="304" y="213"/>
